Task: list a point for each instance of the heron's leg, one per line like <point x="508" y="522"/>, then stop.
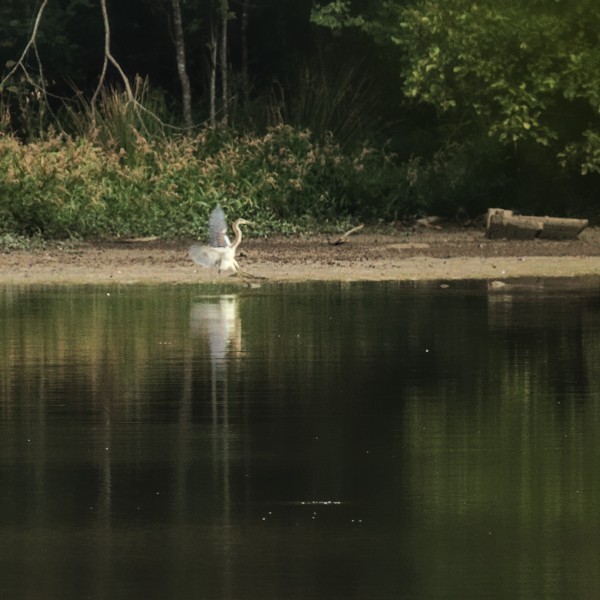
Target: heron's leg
<point x="246" y="275"/>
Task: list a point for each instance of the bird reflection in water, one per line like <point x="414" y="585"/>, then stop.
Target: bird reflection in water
<point x="219" y="322"/>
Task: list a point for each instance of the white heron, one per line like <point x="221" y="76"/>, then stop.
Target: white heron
<point x="221" y="252"/>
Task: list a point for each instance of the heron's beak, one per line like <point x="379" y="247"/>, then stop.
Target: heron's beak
<point x="245" y="222"/>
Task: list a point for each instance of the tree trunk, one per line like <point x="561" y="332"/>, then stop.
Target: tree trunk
<point x="186" y="92"/>
<point x="212" y="47"/>
<point x="244" y="43"/>
<point x="224" y="75"/>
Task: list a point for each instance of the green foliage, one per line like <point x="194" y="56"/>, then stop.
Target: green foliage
<point x="63" y="186"/>
<point x="336" y="14"/>
<point x="11" y="241"/>
<point x="459" y="180"/>
<point x="585" y="154"/>
<point x="512" y="84"/>
<point x="523" y="71"/>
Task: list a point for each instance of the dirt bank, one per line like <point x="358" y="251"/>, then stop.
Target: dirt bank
<point x="422" y="254"/>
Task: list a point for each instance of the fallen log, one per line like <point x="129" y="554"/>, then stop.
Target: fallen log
<point x="503" y="223"/>
<point x="562" y="229"/>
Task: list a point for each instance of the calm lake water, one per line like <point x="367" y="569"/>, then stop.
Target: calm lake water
<point x="323" y="441"/>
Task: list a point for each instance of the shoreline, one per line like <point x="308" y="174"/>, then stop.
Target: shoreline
<point x="447" y="255"/>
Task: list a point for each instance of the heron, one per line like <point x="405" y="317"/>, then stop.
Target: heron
<point x="221" y="252"/>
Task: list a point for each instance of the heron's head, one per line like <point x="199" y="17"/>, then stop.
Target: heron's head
<point x="244" y="222"/>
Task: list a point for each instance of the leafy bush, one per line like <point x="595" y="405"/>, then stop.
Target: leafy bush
<point x="63" y="186"/>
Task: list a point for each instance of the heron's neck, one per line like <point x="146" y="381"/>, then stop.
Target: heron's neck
<point x="238" y="235"/>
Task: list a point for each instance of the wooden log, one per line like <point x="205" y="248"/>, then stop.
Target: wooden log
<point x="494" y="223"/>
<point x="562" y="229"/>
<point x="521" y="228"/>
<point x="497" y="214"/>
<point x="504" y="224"/>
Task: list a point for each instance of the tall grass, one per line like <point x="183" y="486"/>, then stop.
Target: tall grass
<point x="24" y="109"/>
<point x="338" y="100"/>
<point x="115" y="120"/>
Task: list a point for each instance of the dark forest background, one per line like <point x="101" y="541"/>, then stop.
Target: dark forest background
<point x="296" y="114"/>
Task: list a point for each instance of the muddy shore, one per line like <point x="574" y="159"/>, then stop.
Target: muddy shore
<point x="451" y="253"/>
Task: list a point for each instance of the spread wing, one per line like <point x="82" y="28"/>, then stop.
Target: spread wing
<point x="217" y="229"/>
<point x="205" y="255"/>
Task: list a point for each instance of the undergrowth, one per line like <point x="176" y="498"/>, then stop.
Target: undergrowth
<point x="285" y="180"/>
<point x="115" y="169"/>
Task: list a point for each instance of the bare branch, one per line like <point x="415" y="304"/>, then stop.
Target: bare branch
<point x="104" y="62"/>
<point x="108" y="57"/>
<point x="40" y="71"/>
<point x="20" y="63"/>
<point x="344" y="237"/>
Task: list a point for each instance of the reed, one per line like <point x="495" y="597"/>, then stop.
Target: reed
<point x="339" y="101"/>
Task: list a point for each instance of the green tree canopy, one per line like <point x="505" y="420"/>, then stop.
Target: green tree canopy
<point x="524" y="71"/>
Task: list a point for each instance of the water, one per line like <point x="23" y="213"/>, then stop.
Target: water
<point x="301" y="441"/>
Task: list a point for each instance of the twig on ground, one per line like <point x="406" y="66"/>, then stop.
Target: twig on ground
<point x="343" y="238"/>
<point x="429" y="222"/>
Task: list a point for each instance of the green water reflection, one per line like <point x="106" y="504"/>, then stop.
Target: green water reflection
<point x="300" y="441"/>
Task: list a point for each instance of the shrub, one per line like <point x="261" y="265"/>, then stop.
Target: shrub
<point x="63" y="186"/>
